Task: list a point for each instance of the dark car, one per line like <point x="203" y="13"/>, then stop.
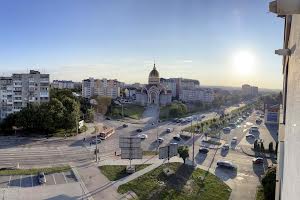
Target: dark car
<point x="139" y="130"/>
<point x="107" y="118"/>
<point x="203" y="150"/>
<point x="257" y="160"/>
<point x="226" y="164"/>
<point x="125" y="125"/>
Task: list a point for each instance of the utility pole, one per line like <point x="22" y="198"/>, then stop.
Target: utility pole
<point x="76" y="125"/>
<point x="122" y="110"/>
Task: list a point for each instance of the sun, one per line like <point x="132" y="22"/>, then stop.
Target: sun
<point x="243" y="62"/>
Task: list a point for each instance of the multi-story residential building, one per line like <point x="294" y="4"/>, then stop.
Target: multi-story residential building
<point x="169" y="84"/>
<point x="197" y="94"/>
<point x="182" y="83"/>
<point x="288" y="155"/>
<point x="63" y="84"/>
<point x="100" y="87"/>
<point x="20" y="89"/>
<point x="249" y="90"/>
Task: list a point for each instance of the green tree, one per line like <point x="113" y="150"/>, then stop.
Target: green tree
<point x="103" y="104"/>
<point x="90" y="115"/>
<point x="269" y="183"/>
<point x="71" y="113"/>
<point x="183" y="152"/>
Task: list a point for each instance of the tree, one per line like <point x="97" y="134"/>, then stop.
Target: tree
<point x="269" y="183"/>
<point x="183" y="152"/>
<point x="271" y="148"/>
<point x="71" y="113"/>
<point x="103" y="104"/>
<point x="90" y="115"/>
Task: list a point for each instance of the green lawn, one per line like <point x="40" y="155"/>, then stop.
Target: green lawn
<point x="131" y="111"/>
<point x="185" y="184"/>
<point x="116" y="172"/>
<point x="48" y="170"/>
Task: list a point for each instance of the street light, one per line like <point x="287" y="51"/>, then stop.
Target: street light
<point x="94" y="103"/>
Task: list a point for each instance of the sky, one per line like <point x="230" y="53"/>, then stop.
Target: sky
<point x="218" y="42"/>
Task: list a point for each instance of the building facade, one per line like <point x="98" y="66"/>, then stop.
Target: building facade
<point x="199" y="94"/>
<point x="63" y="84"/>
<point x="288" y="155"/>
<point x="19" y="90"/>
<point x="249" y="90"/>
<point x="100" y="87"/>
<point x="154" y="92"/>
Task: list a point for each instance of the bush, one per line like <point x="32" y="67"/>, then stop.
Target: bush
<point x="183" y="152"/>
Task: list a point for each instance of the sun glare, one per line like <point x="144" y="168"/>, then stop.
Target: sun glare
<point x="243" y="63"/>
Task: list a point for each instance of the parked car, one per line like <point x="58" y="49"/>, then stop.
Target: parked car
<point x="143" y="136"/>
<point x="41" y="178"/>
<point x="232" y="125"/>
<point x="225" y="147"/>
<point x="234" y="140"/>
<point x="98" y="141"/>
<point x="253" y="129"/>
<point x="203" y="150"/>
<point x="178" y="121"/>
<point x="257" y="160"/>
<point x="107" y="118"/>
<point x="226" y="164"/>
<point x="250" y="136"/>
<point x="125" y="125"/>
<point x="177" y="137"/>
<point x="169" y="130"/>
<point x="258" y="120"/>
<point x="160" y="140"/>
<point x="174" y="120"/>
<point x="139" y="130"/>
<point x="227" y="129"/>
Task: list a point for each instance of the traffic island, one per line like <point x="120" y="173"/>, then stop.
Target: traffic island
<point x="116" y="172"/>
<point x="186" y="183"/>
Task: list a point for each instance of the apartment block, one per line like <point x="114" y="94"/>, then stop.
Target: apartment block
<point x="249" y="90"/>
<point x="19" y="90"/>
<point x="63" y="84"/>
<point x="197" y="94"/>
<point x="100" y="87"/>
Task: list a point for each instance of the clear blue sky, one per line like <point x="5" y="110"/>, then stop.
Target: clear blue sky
<point x="76" y="39"/>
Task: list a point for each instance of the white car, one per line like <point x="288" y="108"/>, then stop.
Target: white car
<point x="234" y="140"/>
<point x="143" y="136"/>
<point x="169" y="130"/>
<point x="226" y="164"/>
<point x="160" y="140"/>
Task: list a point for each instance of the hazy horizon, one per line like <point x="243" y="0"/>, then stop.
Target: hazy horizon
<point x="218" y="43"/>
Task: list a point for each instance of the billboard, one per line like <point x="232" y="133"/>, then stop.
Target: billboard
<point x="129" y="142"/>
<point x="168" y="151"/>
<point x="131" y="153"/>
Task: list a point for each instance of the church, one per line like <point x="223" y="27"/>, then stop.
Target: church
<point x="154" y="92"/>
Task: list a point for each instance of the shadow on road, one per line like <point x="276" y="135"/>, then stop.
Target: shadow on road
<point x="225" y="174"/>
<point x="200" y="158"/>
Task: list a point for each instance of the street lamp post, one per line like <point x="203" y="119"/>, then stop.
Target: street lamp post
<point x="193" y="135"/>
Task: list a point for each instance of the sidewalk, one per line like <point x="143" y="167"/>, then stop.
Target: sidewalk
<point x="97" y="184"/>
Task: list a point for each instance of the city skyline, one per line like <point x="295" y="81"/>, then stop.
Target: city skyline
<point x="122" y="40"/>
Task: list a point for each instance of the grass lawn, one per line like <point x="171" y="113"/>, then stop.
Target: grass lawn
<point x="116" y="172"/>
<point x="149" y="153"/>
<point x="48" y="170"/>
<point x="185" y="184"/>
<point x="260" y="193"/>
<point x="131" y="111"/>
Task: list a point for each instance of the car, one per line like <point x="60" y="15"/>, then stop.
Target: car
<point x="174" y="120"/>
<point x="253" y="129"/>
<point x="203" y="150"/>
<point x="178" y="121"/>
<point x="250" y="136"/>
<point x="160" y="140"/>
<point x="169" y="130"/>
<point x="234" y="140"/>
<point x="107" y="118"/>
<point x="202" y="116"/>
<point x="226" y="164"/>
<point x="98" y="141"/>
<point x="244" y="117"/>
<point x="139" y="130"/>
<point x="189" y="119"/>
<point x="262" y="116"/>
<point x="143" y="136"/>
<point x="125" y="125"/>
<point x="225" y="147"/>
<point x="232" y="125"/>
<point x="41" y="178"/>
<point x="258" y="120"/>
<point x="177" y="137"/>
<point x="257" y="160"/>
<point x="227" y="129"/>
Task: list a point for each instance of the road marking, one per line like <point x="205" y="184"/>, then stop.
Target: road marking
<point x="31" y="180"/>
<point x="21" y="181"/>
<point x="54" y="179"/>
<point x="65" y="177"/>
